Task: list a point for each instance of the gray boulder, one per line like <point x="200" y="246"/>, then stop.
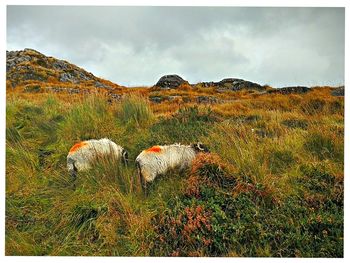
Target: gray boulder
<point x="170" y="81"/>
<point x="68" y="77"/>
<point x="60" y="65"/>
<point x="338" y="92"/>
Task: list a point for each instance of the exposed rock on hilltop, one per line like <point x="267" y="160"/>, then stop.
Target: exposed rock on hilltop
<point x="338" y="92"/>
<point x="27" y="66"/>
<point x="290" y="90"/>
<point x="234" y="84"/>
<point x="170" y="81"/>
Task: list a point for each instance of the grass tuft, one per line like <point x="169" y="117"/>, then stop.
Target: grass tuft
<point x="135" y="109"/>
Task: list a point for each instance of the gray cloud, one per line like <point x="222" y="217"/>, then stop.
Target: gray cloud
<point x="136" y="45"/>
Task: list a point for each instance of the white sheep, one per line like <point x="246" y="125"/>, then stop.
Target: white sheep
<point x="158" y="160"/>
<point x="83" y="154"/>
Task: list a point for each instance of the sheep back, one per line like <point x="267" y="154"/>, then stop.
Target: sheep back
<point x="160" y="159"/>
<point x="83" y="153"/>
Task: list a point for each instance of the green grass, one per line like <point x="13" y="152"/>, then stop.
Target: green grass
<point x="271" y="187"/>
<point x="135" y="109"/>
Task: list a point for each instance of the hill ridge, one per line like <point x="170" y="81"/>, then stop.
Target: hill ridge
<point x="27" y="66"/>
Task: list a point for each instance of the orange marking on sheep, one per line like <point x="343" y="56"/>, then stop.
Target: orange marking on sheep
<point x="154" y="149"/>
<point x="77" y="146"/>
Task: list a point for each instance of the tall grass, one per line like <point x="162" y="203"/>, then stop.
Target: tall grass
<point x="135" y="109"/>
<point x="272" y="185"/>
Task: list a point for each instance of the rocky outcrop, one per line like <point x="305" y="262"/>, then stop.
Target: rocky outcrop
<point x="32" y="89"/>
<point x="170" y="82"/>
<point x="338" y="92"/>
<point x="13" y="58"/>
<point x="233" y="84"/>
<point x="26" y="66"/>
<point x="185" y="99"/>
<point x="160" y="99"/>
<point x="66" y="90"/>
<point x="207" y="99"/>
<point x="291" y="90"/>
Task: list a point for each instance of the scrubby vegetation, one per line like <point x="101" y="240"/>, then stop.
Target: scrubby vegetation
<point x="271" y="186"/>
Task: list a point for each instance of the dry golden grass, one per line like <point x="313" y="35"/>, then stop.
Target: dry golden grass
<point x="272" y="157"/>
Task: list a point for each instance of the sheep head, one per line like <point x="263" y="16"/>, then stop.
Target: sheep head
<point x="200" y="147"/>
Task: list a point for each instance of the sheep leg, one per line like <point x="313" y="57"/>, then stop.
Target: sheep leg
<point x="71" y="163"/>
<point x="143" y="184"/>
<point x="142" y="179"/>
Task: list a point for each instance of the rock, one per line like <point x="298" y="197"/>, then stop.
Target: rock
<point x="32" y="52"/>
<point x="159" y="99"/>
<point x="68" y="90"/>
<point x="156" y="99"/>
<point x="74" y="76"/>
<point x="114" y="96"/>
<point x="170" y="81"/>
<point x="98" y="84"/>
<point x="233" y="84"/>
<point x="291" y="90"/>
<point x="198" y="99"/>
<point x="32" y="88"/>
<point x="28" y="64"/>
<point x="206" y="99"/>
<point x="68" y="77"/>
<point x="60" y="65"/>
<point x="32" y="75"/>
<point x="208" y="84"/>
<point x="172" y="98"/>
<point x="13" y="59"/>
<point x="82" y="76"/>
<point x="339" y="92"/>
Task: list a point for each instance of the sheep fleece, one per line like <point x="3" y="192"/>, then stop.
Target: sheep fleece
<point x="159" y="159"/>
<point x="82" y="154"/>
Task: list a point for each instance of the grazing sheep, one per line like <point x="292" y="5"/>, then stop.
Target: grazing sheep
<point x="83" y="154"/>
<point x="160" y="159"/>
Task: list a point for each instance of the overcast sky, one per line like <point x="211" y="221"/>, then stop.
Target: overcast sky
<point x="137" y="45"/>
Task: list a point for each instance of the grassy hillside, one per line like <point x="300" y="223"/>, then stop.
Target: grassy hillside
<point x="271" y="186"/>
